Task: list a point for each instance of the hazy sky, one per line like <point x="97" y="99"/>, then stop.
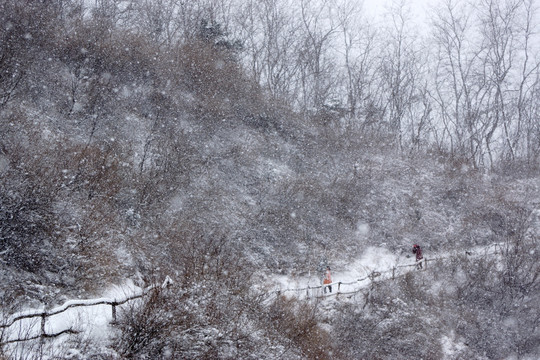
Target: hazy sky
<point x="379" y="5"/>
<point x="418" y="8"/>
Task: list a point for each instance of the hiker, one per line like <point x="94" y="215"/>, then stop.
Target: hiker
<point x="327" y="279"/>
<point x="418" y="251"/>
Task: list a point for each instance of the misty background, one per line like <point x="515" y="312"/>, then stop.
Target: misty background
<point x="224" y="142"/>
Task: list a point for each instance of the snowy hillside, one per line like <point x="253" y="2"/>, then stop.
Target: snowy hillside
<point x="240" y="148"/>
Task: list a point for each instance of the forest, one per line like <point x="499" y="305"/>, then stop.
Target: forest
<point x="224" y="142"/>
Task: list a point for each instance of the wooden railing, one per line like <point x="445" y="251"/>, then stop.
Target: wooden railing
<point x="44" y="314"/>
<point x="343" y="288"/>
<point x="310" y="291"/>
<point x="315" y="291"/>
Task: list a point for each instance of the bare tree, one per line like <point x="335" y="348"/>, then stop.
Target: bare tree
<point x="156" y="19"/>
<point x="400" y="69"/>
<point x="22" y="34"/>
<point x="316" y="63"/>
<point x="498" y="29"/>
<point x="529" y="80"/>
<point x="358" y="44"/>
<point x="460" y="84"/>
<point x="484" y="76"/>
<point x="270" y="36"/>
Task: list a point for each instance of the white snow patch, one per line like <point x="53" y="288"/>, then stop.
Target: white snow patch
<point x="451" y="348"/>
<point x="123" y="255"/>
<point x="77" y="107"/>
<point x="47" y="134"/>
<point x="176" y="203"/>
<point x="125" y="92"/>
<point x="362" y="229"/>
<point x="93" y="321"/>
<point x="374" y="259"/>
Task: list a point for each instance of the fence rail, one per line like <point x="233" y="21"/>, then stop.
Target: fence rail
<point x="44" y="314"/>
<point x="309" y="290"/>
<point x="394" y="271"/>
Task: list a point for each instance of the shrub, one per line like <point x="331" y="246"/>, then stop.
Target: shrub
<point x="298" y="322"/>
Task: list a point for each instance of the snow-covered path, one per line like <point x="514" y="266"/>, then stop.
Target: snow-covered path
<point x="375" y="264"/>
<point x="91" y="318"/>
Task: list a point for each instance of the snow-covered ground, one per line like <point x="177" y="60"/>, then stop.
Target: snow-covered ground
<point x="90" y="319"/>
<point x="377" y="263"/>
<point x="93" y="321"/>
<point x="352" y="277"/>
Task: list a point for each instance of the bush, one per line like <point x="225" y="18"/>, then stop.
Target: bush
<point x="298" y="322"/>
<point x="394" y="323"/>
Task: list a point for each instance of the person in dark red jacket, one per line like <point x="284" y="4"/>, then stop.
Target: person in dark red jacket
<point x="418" y="251"/>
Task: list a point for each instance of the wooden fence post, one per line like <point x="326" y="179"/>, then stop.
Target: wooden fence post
<point x="43" y="319"/>
<point x="113" y="305"/>
<point x="42" y="337"/>
<point x="394" y="273"/>
<point x="338" y="286"/>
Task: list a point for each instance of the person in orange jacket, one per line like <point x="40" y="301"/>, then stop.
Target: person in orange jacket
<point x="327" y="279"/>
